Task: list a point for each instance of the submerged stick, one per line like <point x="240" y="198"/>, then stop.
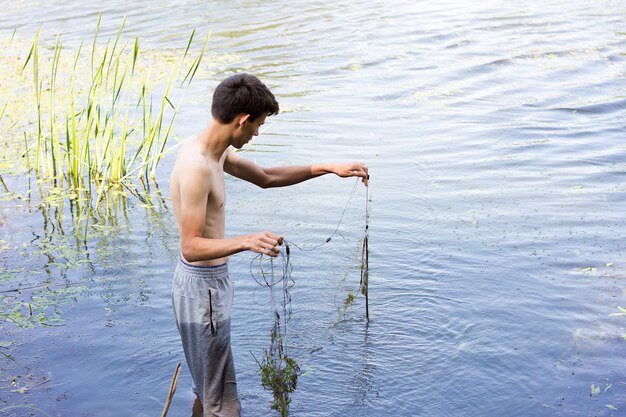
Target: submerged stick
<point x="365" y="258"/>
<point x="170" y="394"/>
<point x="365" y="275"/>
<point x="367" y="299"/>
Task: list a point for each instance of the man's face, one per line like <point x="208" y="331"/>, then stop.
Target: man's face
<point x="249" y="129"/>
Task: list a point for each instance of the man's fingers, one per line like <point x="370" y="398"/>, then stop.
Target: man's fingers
<point x="279" y="239"/>
<point x="269" y="244"/>
<point x="359" y="169"/>
<point x="272" y="251"/>
<point x="273" y="239"/>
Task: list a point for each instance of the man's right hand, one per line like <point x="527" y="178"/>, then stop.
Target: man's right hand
<point x="265" y="243"/>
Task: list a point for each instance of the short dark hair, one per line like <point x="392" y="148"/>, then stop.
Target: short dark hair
<point x="242" y="93"/>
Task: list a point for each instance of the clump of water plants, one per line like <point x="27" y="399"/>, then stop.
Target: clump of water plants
<point x="89" y="120"/>
<point x="279" y="372"/>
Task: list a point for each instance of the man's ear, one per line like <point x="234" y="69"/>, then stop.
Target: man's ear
<point x="243" y="119"/>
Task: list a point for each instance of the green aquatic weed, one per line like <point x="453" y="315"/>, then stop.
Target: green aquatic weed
<point x="349" y="299"/>
<point x="279" y="372"/>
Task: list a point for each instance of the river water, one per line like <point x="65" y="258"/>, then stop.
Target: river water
<point x="494" y="133"/>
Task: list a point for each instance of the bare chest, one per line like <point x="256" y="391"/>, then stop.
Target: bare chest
<point x="216" y="200"/>
<point x="215" y="205"/>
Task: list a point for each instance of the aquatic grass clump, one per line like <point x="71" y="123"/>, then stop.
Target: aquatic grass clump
<point x="279" y="372"/>
<point x="99" y="118"/>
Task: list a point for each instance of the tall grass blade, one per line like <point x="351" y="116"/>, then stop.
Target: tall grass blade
<point x="196" y="64"/>
<point x="135" y="54"/>
<point x="55" y="150"/>
<point x="169" y="102"/>
<point x="95" y="38"/>
<point x="188" y="45"/>
<point x="34" y="53"/>
<point x="80" y="48"/>
<point x="117" y="38"/>
<point x="30" y="54"/>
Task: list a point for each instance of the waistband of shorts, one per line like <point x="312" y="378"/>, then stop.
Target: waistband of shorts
<point x="210" y="271"/>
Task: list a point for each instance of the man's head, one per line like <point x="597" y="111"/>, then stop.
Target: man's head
<point x="242" y="94"/>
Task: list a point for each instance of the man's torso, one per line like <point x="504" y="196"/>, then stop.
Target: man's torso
<point x="216" y="200"/>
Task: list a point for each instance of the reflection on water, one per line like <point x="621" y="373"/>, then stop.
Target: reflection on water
<point x="494" y="134"/>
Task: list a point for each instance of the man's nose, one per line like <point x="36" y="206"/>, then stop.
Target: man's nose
<point x="256" y="132"/>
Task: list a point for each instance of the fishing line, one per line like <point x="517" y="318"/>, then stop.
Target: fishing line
<point x="268" y="278"/>
<point x="338" y="224"/>
<point x="286" y="264"/>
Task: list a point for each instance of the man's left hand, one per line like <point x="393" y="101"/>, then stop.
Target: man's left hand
<point x="352" y="169"/>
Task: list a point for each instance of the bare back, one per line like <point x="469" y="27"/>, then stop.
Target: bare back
<point x="197" y="192"/>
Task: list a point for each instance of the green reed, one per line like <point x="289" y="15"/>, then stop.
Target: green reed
<point x="55" y="145"/>
<point x="34" y="55"/>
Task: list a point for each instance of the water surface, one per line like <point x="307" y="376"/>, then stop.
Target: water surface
<point x="494" y="133"/>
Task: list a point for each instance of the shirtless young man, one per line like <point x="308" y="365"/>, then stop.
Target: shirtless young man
<point x="202" y="292"/>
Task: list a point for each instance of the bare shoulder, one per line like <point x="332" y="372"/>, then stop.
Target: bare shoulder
<point x="189" y="159"/>
<point x="191" y="168"/>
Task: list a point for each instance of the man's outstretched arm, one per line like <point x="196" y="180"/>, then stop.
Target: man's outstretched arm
<point x="247" y="170"/>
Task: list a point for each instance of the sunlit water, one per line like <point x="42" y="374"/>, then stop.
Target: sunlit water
<point x="494" y="133"/>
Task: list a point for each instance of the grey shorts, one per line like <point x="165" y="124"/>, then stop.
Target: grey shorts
<point x="202" y="297"/>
